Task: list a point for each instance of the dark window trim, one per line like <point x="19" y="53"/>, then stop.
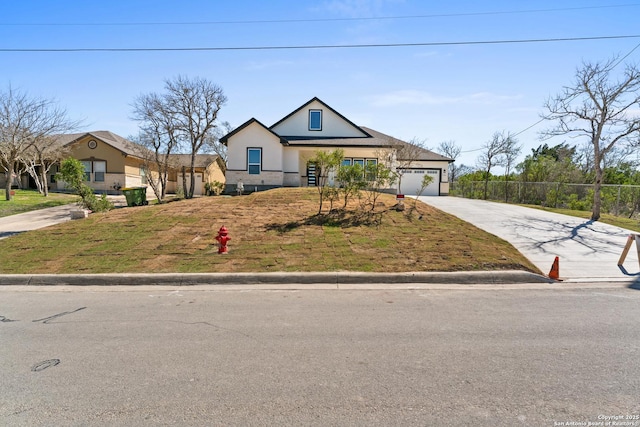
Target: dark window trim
<point x="249" y="164"/>
<point x="91" y="174"/>
<point x="315" y="129"/>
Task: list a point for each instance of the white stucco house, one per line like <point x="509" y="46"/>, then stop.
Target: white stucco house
<point x="278" y="156"/>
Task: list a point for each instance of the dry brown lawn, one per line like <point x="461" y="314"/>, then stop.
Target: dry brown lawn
<point x="275" y="230"/>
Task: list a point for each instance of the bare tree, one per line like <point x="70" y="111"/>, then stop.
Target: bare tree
<point x="213" y="144"/>
<point x="188" y="114"/>
<point x="194" y="105"/>
<point x="156" y="141"/>
<point x="40" y="157"/>
<point x="156" y="160"/>
<point x="599" y="108"/>
<point x="25" y="121"/>
<point x="511" y="152"/>
<point x="493" y="155"/>
<point x="451" y="150"/>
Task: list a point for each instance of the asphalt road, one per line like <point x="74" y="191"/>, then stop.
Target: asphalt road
<point x="490" y="356"/>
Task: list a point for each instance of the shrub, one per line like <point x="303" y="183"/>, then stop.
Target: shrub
<point x="72" y="172"/>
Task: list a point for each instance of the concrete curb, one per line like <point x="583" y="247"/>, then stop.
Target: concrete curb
<point x="337" y="278"/>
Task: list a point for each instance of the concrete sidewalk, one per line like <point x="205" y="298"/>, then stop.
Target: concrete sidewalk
<point x="587" y="249"/>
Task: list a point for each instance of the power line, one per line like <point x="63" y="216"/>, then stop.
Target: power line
<point x="626" y="56"/>
<point x="301" y="47"/>
<point x="574" y="97"/>
<point x="288" y="21"/>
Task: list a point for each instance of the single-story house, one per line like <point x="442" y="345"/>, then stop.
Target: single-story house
<point x="264" y="157"/>
<point x="208" y="168"/>
<point x="112" y="162"/>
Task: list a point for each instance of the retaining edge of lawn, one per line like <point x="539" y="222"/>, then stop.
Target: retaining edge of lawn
<point x="192" y="279"/>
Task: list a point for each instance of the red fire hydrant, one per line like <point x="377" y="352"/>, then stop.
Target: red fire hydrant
<point x="222" y="239"/>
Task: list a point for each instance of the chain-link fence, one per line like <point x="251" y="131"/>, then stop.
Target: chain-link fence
<point x="620" y="200"/>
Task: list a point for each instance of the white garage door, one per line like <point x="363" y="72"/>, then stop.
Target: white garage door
<point x="197" y="189"/>
<point x="412" y="182"/>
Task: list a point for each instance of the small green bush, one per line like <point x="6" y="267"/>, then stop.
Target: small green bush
<point x="72" y="172"/>
<point x="578" y="205"/>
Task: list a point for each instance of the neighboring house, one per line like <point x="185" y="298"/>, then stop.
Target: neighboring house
<point x="112" y="162"/>
<point x="208" y="169"/>
<point x="279" y="156"/>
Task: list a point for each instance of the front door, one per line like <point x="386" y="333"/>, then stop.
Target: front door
<point x="311" y="175"/>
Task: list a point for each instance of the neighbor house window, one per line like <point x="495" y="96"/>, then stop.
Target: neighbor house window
<point x="143" y="176"/>
<point x="254" y="160"/>
<point x="315" y="119"/>
<point x="346" y="162"/>
<point x="87" y="169"/>
<point x="99" y="169"/>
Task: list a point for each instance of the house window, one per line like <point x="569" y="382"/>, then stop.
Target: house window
<point x="99" y="169"/>
<point x="315" y="119"/>
<point x="87" y="170"/>
<point x="254" y="160"/>
<point x="364" y="163"/>
<point x="143" y="176"/>
<point x="370" y="173"/>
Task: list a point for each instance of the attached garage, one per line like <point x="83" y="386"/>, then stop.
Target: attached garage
<point x="411" y="182"/>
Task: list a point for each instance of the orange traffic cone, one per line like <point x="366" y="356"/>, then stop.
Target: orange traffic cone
<point x="555" y="270"/>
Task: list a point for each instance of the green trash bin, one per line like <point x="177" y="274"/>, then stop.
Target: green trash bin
<point x="136" y="196"/>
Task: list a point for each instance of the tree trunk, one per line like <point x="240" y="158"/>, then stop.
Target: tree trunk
<point x="506" y="189"/>
<point x="45" y="183"/>
<point x="184" y="182"/>
<point x="163" y="182"/>
<point x="486" y="186"/>
<point x="192" y="182"/>
<point x="597" y="199"/>
<point x="9" y="179"/>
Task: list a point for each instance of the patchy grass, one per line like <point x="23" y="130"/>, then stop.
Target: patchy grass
<point x="618" y="221"/>
<point x="271" y="231"/>
<point x="31" y="200"/>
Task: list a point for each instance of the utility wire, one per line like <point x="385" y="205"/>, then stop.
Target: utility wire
<point x="543" y="119"/>
<point x="288" y="21"/>
<point x="612" y="67"/>
<point x="301" y="47"/>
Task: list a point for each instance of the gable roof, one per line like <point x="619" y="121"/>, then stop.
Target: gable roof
<point x="110" y="138"/>
<point x="202" y="160"/>
<point x="316" y="99"/>
<point x="421" y="153"/>
<point x="370" y="138"/>
<point x="249" y="122"/>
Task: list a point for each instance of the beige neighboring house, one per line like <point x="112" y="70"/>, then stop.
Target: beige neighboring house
<point x="208" y="169"/>
<point x="112" y="162"/>
<point x="264" y="157"/>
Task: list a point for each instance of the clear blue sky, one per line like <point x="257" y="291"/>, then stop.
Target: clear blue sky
<point x="462" y="92"/>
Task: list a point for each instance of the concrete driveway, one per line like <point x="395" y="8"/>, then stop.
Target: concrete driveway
<point x="14" y="224"/>
<point x="587" y="249"/>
